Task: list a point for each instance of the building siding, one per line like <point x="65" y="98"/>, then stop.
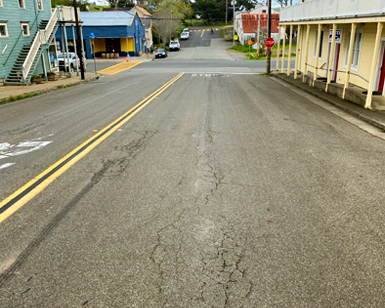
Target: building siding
<point x="13" y="16"/>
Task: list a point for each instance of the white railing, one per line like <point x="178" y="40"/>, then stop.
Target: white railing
<point x="330" y="9"/>
<point x="67" y="13"/>
<point x="35" y="46"/>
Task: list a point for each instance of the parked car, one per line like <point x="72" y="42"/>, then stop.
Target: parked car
<point x="184" y="35"/>
<point x="161" y="53"/>
<point x="174" y="45"/>
<point x="186" y="30"/>
<point x="63" y="61"/>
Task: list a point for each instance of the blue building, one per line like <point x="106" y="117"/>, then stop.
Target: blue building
<point x="117" y="32"/>
<point x="27" y="29"/>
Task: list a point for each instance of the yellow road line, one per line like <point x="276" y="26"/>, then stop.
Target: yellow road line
<point x="87" y="146"/>
<point x="202" y="32"/>
<point x="117" y="68"/>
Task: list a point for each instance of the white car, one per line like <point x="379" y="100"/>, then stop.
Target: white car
<point x="63" y="61"/>
<point x="184" y="35"/>
<point x="174" y="45"/>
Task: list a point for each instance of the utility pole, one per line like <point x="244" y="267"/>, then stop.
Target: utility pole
<point x="79" y="42"/>
<point x="226" y="11"/>
<point x="233" y="22"/>
<point x="268" y="50"/>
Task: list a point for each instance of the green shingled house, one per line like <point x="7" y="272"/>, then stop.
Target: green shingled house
<point x="27" y="28"/>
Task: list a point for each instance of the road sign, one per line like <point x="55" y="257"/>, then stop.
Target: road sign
<point x="249" y="42"/>
<point x="92" y="35"/>
<point x="269" y="42"/>
<point x="235" y="37"/>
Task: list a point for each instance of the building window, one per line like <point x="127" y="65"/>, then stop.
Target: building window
<point x="321" y="44"/>
<point x="25" y="29"/>
<point x="3" y="30"/>
<point x="39" y="5"/>
<point x="21" y="4"/>
<point x="356" y="49"/>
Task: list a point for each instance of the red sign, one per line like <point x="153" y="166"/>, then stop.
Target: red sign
<point x="269" y="42"/>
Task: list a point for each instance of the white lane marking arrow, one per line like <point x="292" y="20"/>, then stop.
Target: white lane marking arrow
<point x="6" y="165"/>
<point x="5" y="148"/>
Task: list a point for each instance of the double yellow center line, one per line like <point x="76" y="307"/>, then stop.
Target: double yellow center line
<point x="20" y="197"/>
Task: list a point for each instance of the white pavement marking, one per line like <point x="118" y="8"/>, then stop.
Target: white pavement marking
<point x="370" y="129"/>
<point x="8" y="150"/>
<point x="6" y="165"/>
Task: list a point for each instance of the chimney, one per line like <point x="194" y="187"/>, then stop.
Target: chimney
<point x="138" y="3"/>
<point x="116" y="4"/>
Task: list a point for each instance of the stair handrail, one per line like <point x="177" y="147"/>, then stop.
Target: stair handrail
<point x="51" y="25"/>
<point x="35" y="46"/>
<point x="20" y="35"/>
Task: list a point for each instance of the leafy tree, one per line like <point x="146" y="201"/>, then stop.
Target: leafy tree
<point x="167" y="18"/>
<point x="82" y="4"/>
<point x="211" y="9"/>
<point x="122" y="3"/>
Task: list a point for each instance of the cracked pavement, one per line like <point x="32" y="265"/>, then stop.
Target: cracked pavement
<point x="225" y="191"/>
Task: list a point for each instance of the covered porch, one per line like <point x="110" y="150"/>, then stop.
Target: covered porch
<point x="344" y="57"/>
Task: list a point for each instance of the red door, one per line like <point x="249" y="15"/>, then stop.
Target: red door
<point x="336" y="64"/>
<point x="382" y="72"/>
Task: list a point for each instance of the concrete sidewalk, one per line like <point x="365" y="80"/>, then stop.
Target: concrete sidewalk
<point x="12" y="93"/>
<point x="375" y="118"/>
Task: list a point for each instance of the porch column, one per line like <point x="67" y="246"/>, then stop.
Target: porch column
<point x="350" y="55"/>
<point x="67" y="51"/>
<point x="331" y="56"/>
<point x="317" y="52"/>
<point x="44" y="67"/>
<point x="76" y="58"/>
<point x="306" y="52"/>
<point x="368" y="103"/>
<point x="283" y="48"/>
<point x="279" y="43"/>
<point x="289" y="55"/>
<point x="297" y="52"/>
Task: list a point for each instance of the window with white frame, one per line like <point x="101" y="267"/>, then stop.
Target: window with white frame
<point x="356" y="49"/>
<point x="39" y="5"/>
<point x="25" y="29"/>
<point x="321" y="44"/>
<point x="21" y="4"/>
<point x="3" y="29"/>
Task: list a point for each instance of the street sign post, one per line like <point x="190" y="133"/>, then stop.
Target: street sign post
<point x="93" y="36"/>
<point x="249" y="42"/>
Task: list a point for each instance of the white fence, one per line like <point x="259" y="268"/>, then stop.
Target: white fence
<point x="330" y="9"/>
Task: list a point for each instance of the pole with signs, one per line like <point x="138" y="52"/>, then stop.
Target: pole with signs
<point x="249" y="42"/>
<point x="268" y="50"/>
<point x="93" y="36"/>
<point x="79" y="46"/>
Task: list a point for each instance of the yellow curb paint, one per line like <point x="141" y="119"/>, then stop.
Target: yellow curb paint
<point x="17" y="205"/>
<point x="117" y="68"/>
<point x="95" y="131"/>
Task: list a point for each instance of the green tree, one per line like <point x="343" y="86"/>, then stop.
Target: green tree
<point x="210" y="9"/>
<point x="168" y="17"/>
<point x="82" y="4"/>
<point x="122" y="3"/>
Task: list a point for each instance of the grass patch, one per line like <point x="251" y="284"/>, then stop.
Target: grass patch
<point x="59" y="87"/>
<point x="12" y="98"/>
<point x="242" y="48"/>
<point x="275" y="47"/>
<point x="223" y="32"/>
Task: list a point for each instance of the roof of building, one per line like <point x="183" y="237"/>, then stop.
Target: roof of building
<point x="107" y="18"/>
<point x="141" y="11"/>
<point x="250" y="22"/>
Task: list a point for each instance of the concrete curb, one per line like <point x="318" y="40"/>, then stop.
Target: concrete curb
<point x="367" y="119"/>
<point x="26" y="95"/>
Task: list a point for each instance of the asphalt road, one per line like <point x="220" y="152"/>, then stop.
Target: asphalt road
<point x="225" y="190"/>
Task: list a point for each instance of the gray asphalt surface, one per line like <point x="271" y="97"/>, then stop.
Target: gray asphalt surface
<point x="225" y="191"/>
